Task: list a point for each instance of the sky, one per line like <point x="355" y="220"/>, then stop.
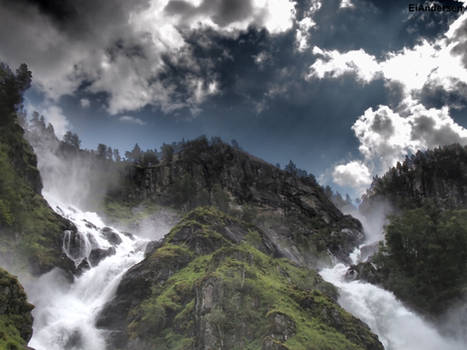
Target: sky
<point x="344" y="88"/>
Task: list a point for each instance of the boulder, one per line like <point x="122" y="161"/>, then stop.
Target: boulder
<point x="98" y="254"/>
<point x="111" y="236"/>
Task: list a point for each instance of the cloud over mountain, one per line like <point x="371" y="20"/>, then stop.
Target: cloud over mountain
<point x="387" y="133"/>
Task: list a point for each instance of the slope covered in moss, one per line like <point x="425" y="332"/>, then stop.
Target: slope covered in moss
<point x="15" y="314"/>
<point x="216" y="282"/>
<point x="30" y="231"/>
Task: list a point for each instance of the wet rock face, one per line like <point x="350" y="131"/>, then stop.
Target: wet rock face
<point x="208" y="301"/>
<point x="15" y="312"/>
<point x="281" y="327"/>
<point x="111" y="236"/>
<point x="270" y="343"/>
<point x="98" y="254"/>
<point x="365" y="271"/>
<point x="74" y="244"/>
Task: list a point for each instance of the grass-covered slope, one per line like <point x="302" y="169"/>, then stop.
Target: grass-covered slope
<point x="216" y="282"/>
<point x="30" y="231"/>
<point x="15" y="314"/>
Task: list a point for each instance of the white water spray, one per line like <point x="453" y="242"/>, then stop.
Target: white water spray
<point x="397" y="327"/>
<point x="65" y="313"/>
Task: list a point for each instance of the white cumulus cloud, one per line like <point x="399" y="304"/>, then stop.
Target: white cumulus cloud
<point x="354" y="174"/>
<point x="304" y="25"/>
<point x="85" y="103"/>
<point x="387" y="136"/>
<point x="346" y="4"/>
<point x="131" y="120"/>
<point x="439" y="63"/>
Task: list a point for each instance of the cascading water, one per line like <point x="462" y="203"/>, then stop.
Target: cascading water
<point x="397" y="327"/>
<point x="65" y="313"/>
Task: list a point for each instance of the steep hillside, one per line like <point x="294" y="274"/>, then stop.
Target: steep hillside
<point x="15" y="314"/>
<point x="30" y="231"/>
<point x="292" y="210"/>
<point x="424" y="257"/>
<point x="216" y="282"/>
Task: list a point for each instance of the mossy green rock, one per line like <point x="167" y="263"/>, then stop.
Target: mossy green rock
<point x="15" y="314"/>
<point x="216" y="282"/>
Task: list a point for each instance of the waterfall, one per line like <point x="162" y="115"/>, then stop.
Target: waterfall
<point x="65" y="313"/>
<point x="397" y="327"/>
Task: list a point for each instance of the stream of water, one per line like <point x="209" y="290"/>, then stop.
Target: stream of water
<point x="397" y="327"/>
<point x="65" y="313"/>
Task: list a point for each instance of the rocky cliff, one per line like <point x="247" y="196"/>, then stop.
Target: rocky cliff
<point x="216" y="282"/>
<point x="293" y="211"/>
<point x="15" y="314"/>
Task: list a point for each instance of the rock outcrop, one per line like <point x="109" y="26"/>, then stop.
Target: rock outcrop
<point x="15" y="314"/>
<point x="216" y="282"/>
<point x="437" y="176"/>
<point x="292" y="210"/>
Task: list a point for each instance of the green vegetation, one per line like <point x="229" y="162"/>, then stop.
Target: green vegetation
<point x="438" y="175"/>
<point x="424" y="261"/>
<point x="15" y="316"/>
<point x="425" y="258"/>
<point x="128" y="213"/>
<point x="30" y="232"/>
<point x="226" y="293"/>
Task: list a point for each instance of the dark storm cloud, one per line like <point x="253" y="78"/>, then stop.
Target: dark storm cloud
<point x="436" y="96"/>
<point x="223" y="12"/>
<point x="132" y="50"/>
<point x="82" y="18"/>
<point x="91" y="45"/>
<point x="382" y="125"/>
<point x="60" y="10"/>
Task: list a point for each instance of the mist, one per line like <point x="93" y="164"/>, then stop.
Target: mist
<point x="153" y="226"/>
<point x="70" y="174"/>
